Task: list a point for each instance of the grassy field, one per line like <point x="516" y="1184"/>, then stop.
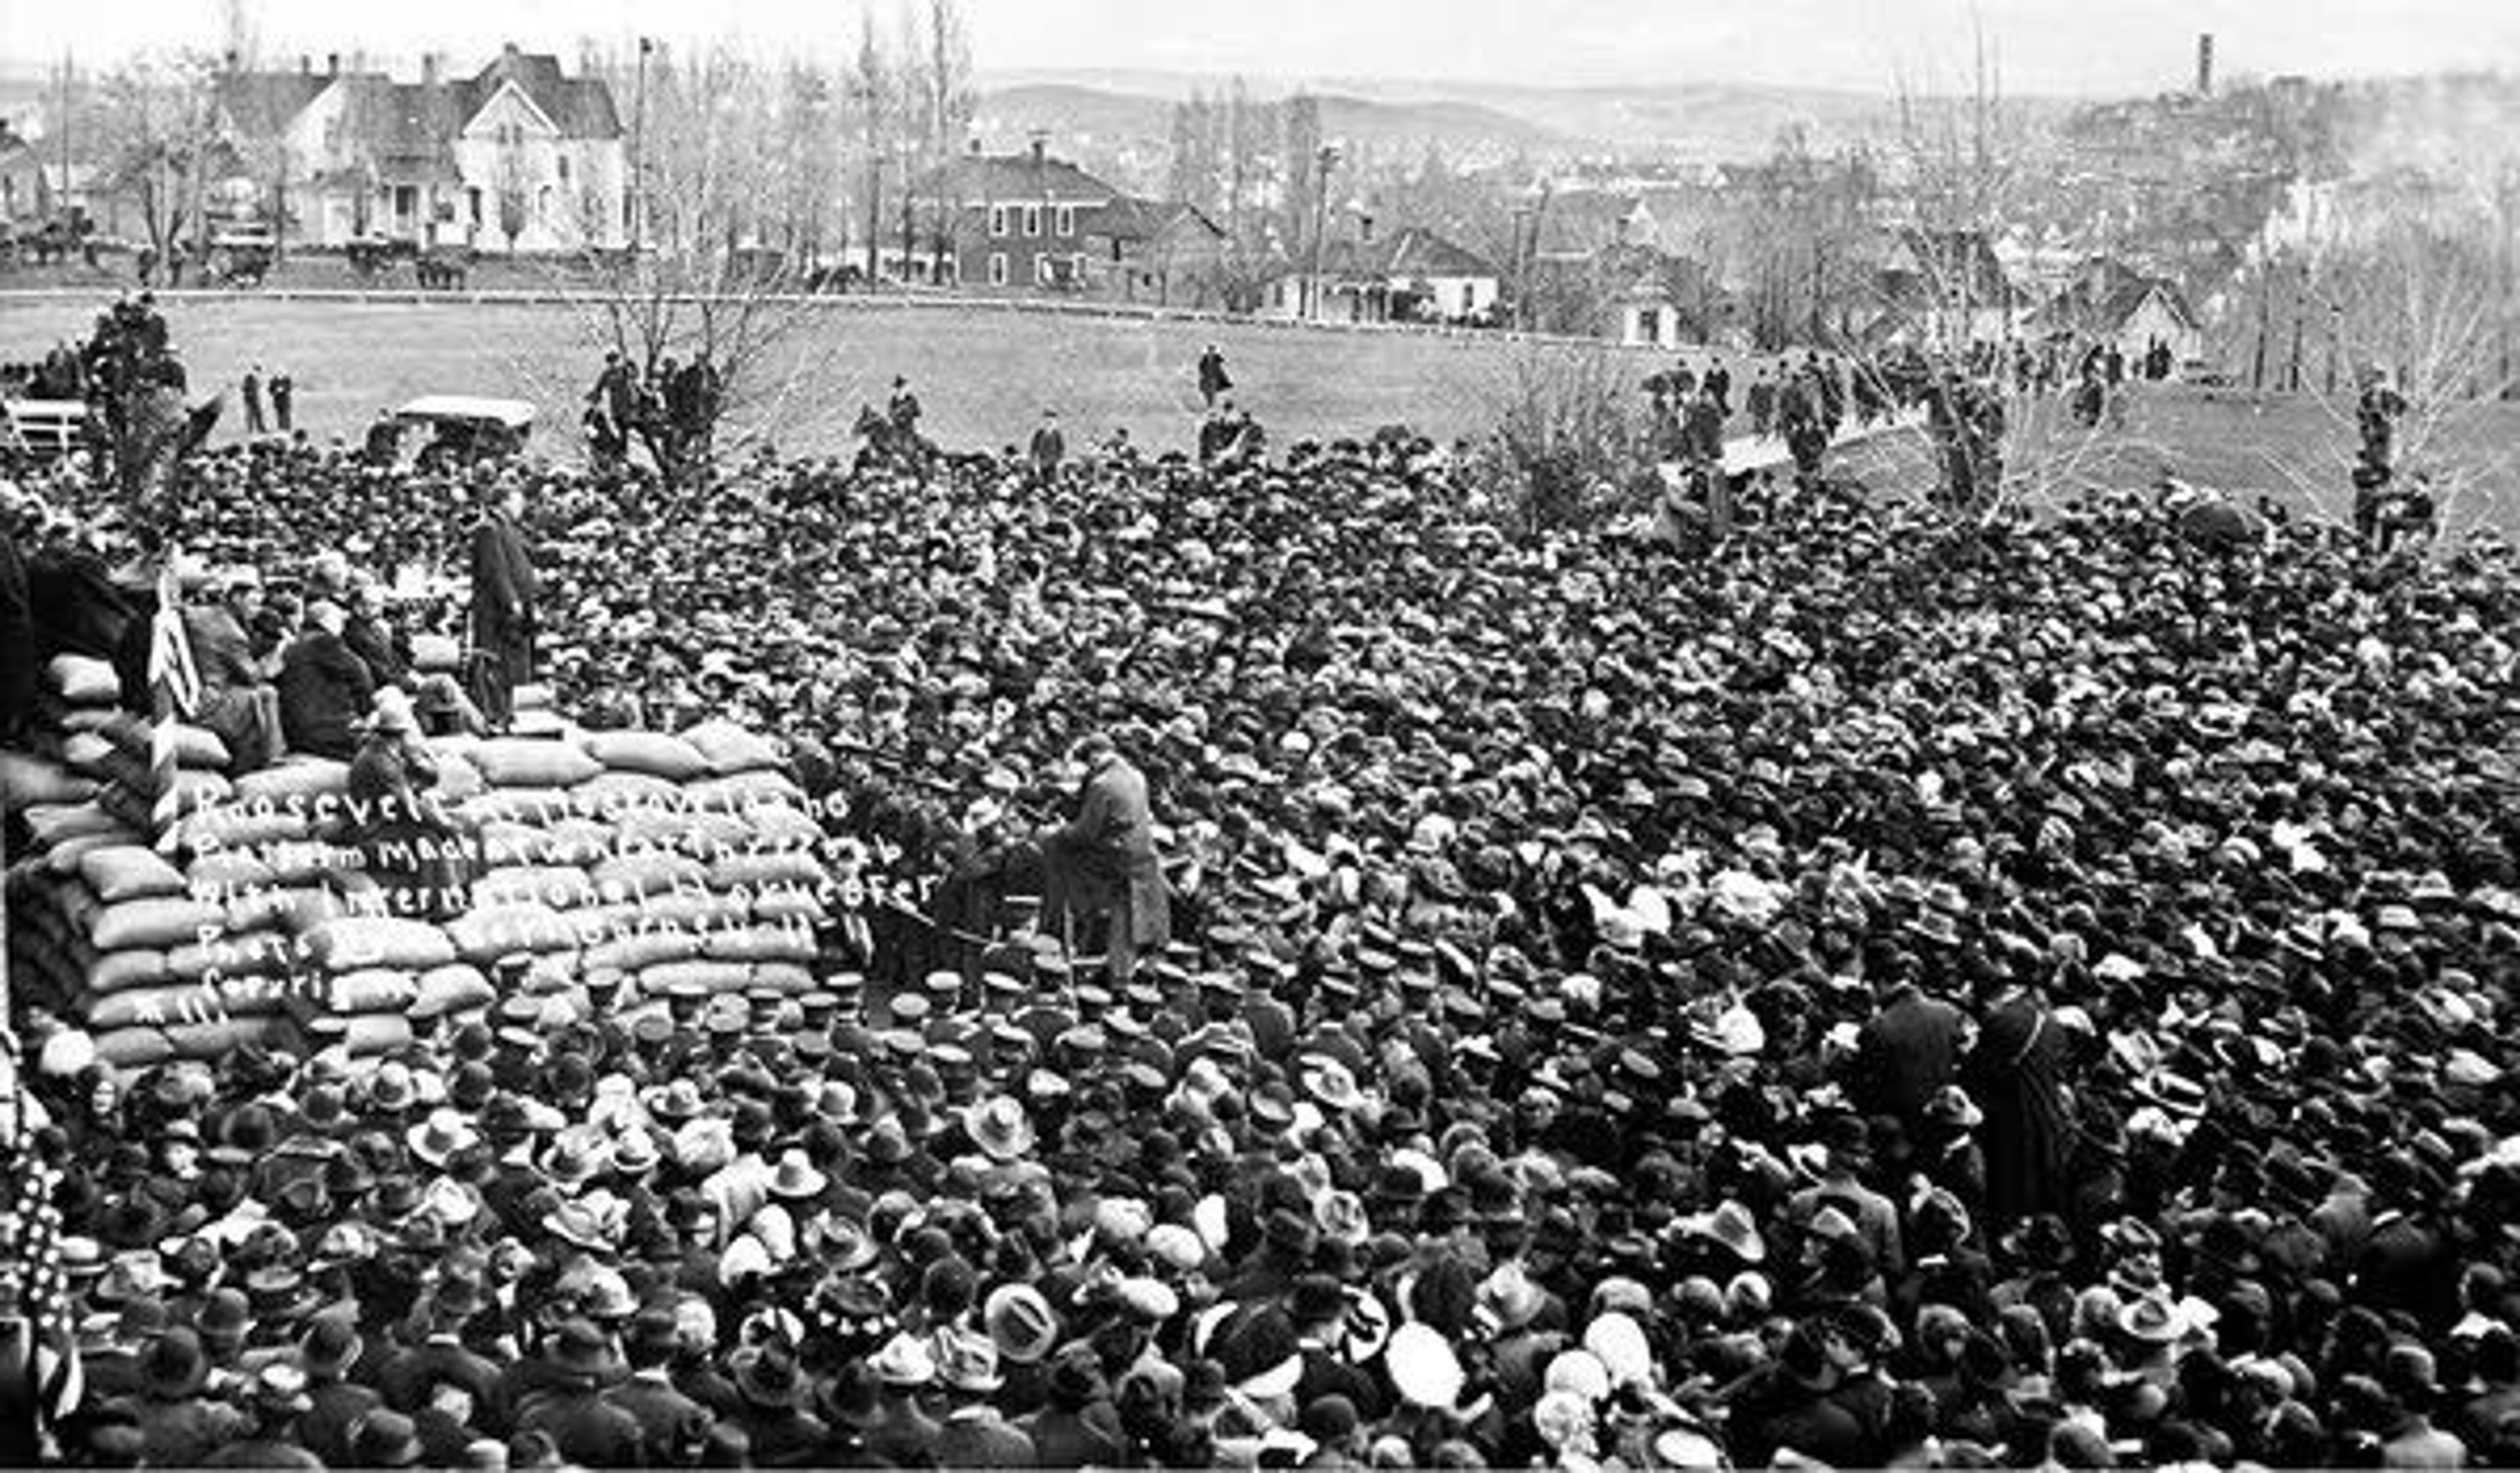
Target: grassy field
<point x="985" y="376"/>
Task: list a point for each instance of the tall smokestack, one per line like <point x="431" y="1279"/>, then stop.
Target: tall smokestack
<point x="2205" y="64"/>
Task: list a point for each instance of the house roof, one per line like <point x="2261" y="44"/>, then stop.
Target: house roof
<point x="263" y="104"/>
<point x="1417" y="250"/>
<point x="2109" y="294"/>
<point x="581" y="107"/>
<point x="413" y="125"/>
<point x="982" y="177"/>
<point x="1131" y="218"/>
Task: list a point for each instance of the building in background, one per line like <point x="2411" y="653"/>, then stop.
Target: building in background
<point x="518" y="157"/>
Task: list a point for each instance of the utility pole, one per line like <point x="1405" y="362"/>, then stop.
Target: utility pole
<point x="639" y="152"/>
<point x="61" y="206"/>
<point x="1326" y="159"/>
<point x="2300" y="310"/>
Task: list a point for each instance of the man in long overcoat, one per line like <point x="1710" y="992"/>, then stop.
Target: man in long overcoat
<point x="1103" y="860"/>
<point x="504" y="590"/>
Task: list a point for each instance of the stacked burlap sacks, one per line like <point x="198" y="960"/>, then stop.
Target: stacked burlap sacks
<point x="606" y="870"/>
<point x="632" y="864"/>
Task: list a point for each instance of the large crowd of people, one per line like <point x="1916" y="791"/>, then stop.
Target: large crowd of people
<point x="1873" y="995"/>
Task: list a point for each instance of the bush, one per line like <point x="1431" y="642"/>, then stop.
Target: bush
<point x="1568" y="433"/>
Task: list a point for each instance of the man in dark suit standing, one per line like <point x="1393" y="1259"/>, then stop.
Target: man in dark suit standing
<point x="1048" y="448"/>
<point x="1906" y="1053"/>
<point x="502" y="617"/>
<point x="1212" y="381"/>
<point x="1102" y="861"/>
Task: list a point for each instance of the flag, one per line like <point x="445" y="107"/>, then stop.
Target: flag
<point x="175" y="690"/>
<point x="40" y="1383"/>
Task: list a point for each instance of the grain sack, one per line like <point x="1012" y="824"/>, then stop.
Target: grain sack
<point x="55" y="823"/>
<point x="583" y="843"/>
<point x="85" y="752"/>
<point x="365" y="1035"/>
<point x="27" y="782"/>
<point x="483" y="936"/>
<point x="292" y="908"/>
<point x="129" y="872"/>
<point x="653" y="754"/>
<point x="457" y="987"/>
<point x="617" y="793"/>
<point x="762" y="872"/>
<point x="160" y="921"/>
<point x="227" y="873"/>
<point x="63" y="859"/>
<point x="715" y="977"/>
<point x="525" y="762"/>
<point x="729" y="747"/>
<point x="458" y="780"/>
<point x="134" y="1049"/>
<point x="792" y="905"/>
<point x="83" y="680"/>
<point x="302" y="779"/>
<point x="740" y="791"/>
<point x="241" y="826"/>
<point x="261" y="955"/>
<point x="787" y="977"/>
<point x="647" y="872"/>
<point x="372" y="990"/>
<point x="140" y="967"/>
<point x="638" y="950"/>
<point x="559" y="887"/>
<point x="205" y="1042"/>
<point x="714" y="836"/>
<point x="783" y="828"/>
<point x="347" y="944"/>
<point x="758" y="943"/>
<point x="697" y="910"/>
<point x="197" y="791"/>
<point x="182" y="1002"/>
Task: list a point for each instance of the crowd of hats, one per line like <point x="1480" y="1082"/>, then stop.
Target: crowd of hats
<point x="1534" y="896"/>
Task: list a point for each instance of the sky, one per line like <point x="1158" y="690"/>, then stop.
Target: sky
<point x="2058" y="47"/>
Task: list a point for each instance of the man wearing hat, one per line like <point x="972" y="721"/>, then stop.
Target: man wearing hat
<point x="324" y="688"/>
<point x="503" y="607"/>
<point x="583" y="1425"/>
<point x="331" y="1348"/>
<point x="1102" y="861"/>
<point x="673" y="1427"/>
<point x="440" y="1372"/>
<point x="276" y="1399"/>
<point x="178" y="1427"/>
<point x="974" y="1435"/>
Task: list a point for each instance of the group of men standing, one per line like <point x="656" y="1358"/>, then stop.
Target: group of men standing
<point x="673" y="408"/>
<point x="283" y="390"/>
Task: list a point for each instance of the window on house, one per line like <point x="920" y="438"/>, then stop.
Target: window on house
<point x="997" y="268"/>
<point x="1076" y="268"/>
<point x="1041" y="271"/>
<point x="406" y="199"/>
<point x="472" y="205"/>
<point x="1032" y="220"/>
<point x="542" y="203"/>
<point x="1066" y="219"/>
<point x="563" y="168"/>
<point x="998" y="220"/>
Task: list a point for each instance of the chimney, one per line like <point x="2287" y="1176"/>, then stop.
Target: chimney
<point x="332" y="63"/>
<point x="428" y="68"/>
<point x="975" y="148"/>
<point x="1040" y="150"/>
<point x="1365" y="229"/>
<point x="510" y="51"/>
<point x="2205" y="64"/>
<point x="305" y="64"/>
<point x="232" y="59"/>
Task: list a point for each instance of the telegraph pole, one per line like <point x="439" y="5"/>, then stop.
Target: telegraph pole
<point x="1326" y="159"/>
<point x="639" y="152"/>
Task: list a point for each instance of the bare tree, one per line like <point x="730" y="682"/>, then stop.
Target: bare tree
<point x="513" y="185"/>
<point x="155" y="120"/>
<point x="707" y="298"/>
<point x="874" y="92"/>
<point x="949" y="103"/>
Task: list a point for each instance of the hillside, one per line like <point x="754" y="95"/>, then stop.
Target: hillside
<point x="1091" y="117"/>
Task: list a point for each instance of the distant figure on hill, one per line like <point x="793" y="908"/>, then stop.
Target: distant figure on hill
<point x="252" y="391"/>
<point x="1213" y="384"/>
<point x="1048" y="448"/>
<point x="284" y="395"/>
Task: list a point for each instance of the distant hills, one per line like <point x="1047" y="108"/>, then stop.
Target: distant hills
<point x="1131" y="111"/>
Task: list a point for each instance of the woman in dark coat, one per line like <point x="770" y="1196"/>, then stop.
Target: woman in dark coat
<point x="2015" y="1074"/>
